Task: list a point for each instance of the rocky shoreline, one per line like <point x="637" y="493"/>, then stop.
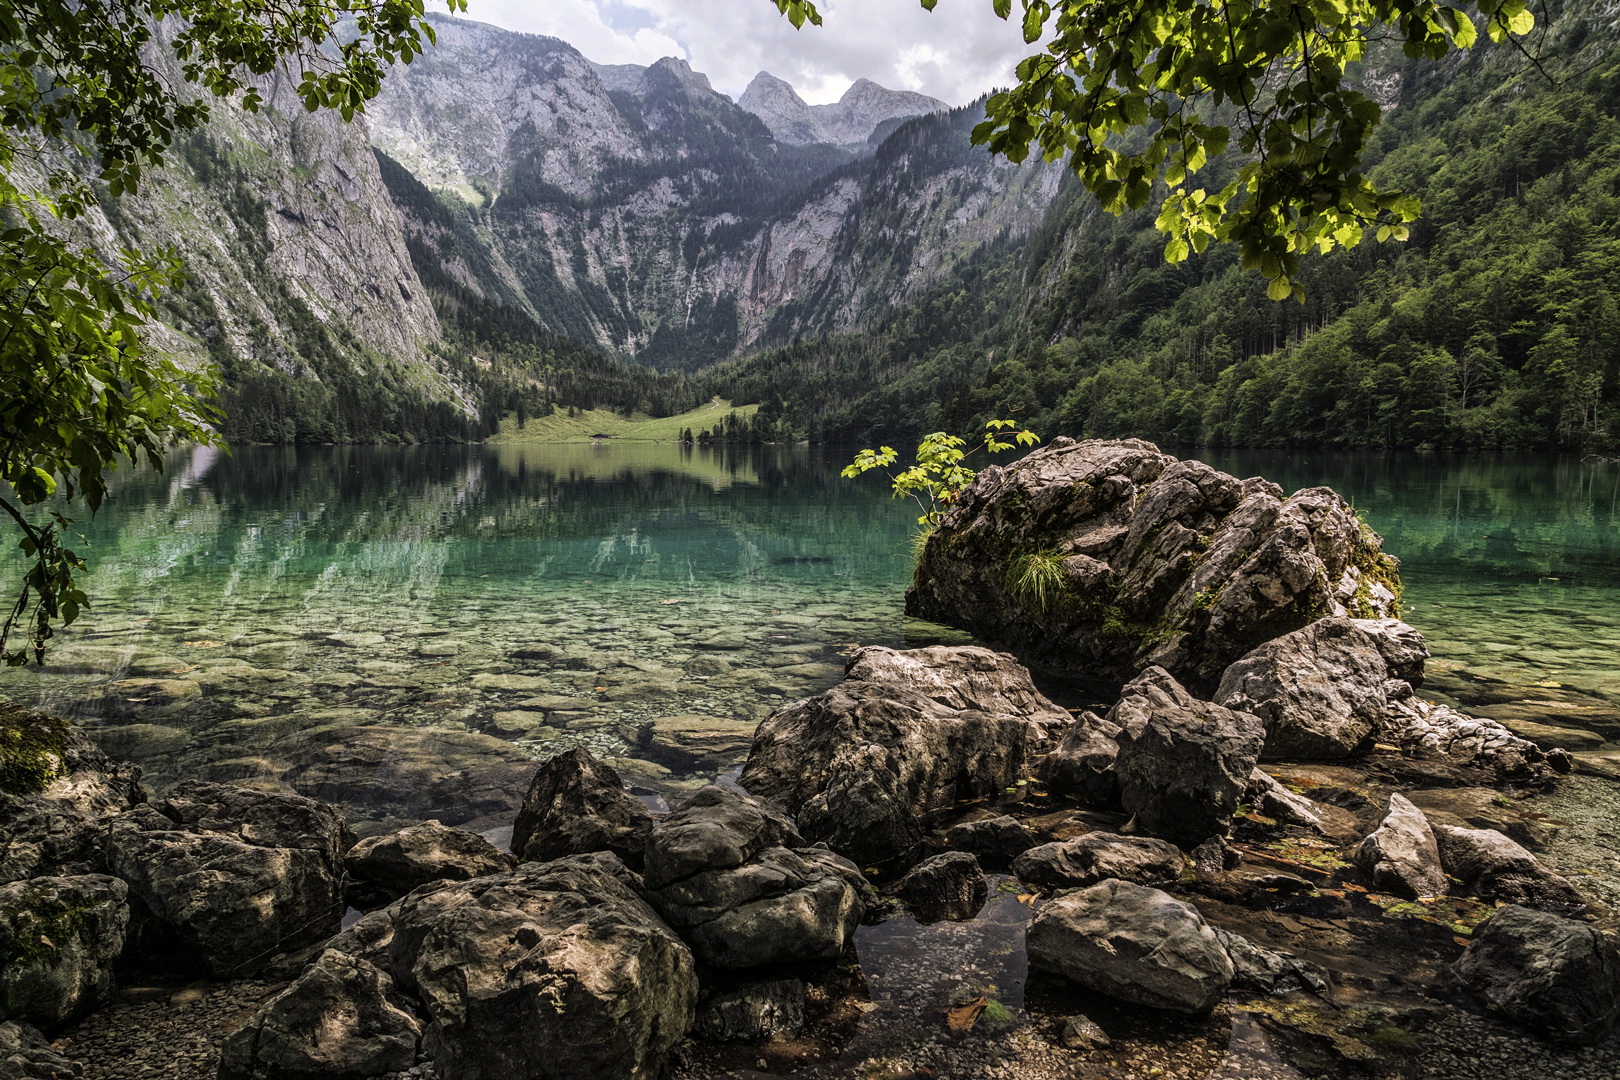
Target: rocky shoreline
<point x="1269" y="857"/>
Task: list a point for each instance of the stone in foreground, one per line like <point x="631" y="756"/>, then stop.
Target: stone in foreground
<point x="26" y="1055"/>
<point x="1136" y="944"/>
<point x="1098" y="856"/>
<point x="948" y="886"/>
<point x="341" y="1018"/>
<point x="1496" y="868"/>
<point x="719" y="871"/>
<point x="905" y="733"/>
<point x="575" y="805"/>
<point x="1545" y="971"/>
<point x="758" y="1011"/>
<point x="393" y="864"/>
<point x="1183" y="764"/>
<point x="550" y="971"/>
<point x="59" y="937"/>
<point x="241" y="875"/>
<point x="1401" y="855"/>
<point x="1157" y="560"/>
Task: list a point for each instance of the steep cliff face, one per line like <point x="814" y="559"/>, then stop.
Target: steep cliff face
<point x="298" y="279"/>
<point x="639" y="209"/>
<point x="851" y="121"/>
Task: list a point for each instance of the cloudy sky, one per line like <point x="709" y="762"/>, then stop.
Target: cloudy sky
<point x="955" y="53"/>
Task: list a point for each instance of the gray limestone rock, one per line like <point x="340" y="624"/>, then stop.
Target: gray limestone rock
<point x="1165" y="562"/>
<point x="1546" y="972"/>
<point x="1401" y="855"/>
<point x="1082" y="766"/>
<point x="1183" y="764"/>
<point x="719" y="872"/>
<point x="905" y="733"/>
<point x="240" y="875"/>
<point x="754" y="1012"/>
<point x="59" y="937"/>
<point x="1133" y="943"/>
<point x="1083" y="1033"/>
<point x="1267" y="971"/>
<point x="341" y="1019"/>
<point x="391" y="865"/>
<point x="577" y="804"/>
<point x="550" y="971"/>
<point x="1320" y="690"/>
<point x="1098" y="856"/>
<point x="948" y="886"/>
<point x="1496" y="868"/>
<point x="1275" y="801"/>
<point x="26" y="1055"/>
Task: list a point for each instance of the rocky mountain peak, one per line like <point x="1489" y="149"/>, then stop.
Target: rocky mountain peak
<point x="848" y="122"/>
<point x="679" y="71"/>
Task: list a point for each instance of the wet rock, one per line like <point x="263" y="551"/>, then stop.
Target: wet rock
<point x="26" y="1055"/>
<point x="1277" y="802"/>
<point x="552" y="969"/>
<point x="577" y="804"/>
<point x="1496" y="868"/>
<point x="1082" y="1033"/>
<point x="1266" y="971"/>
<point x="59" y="937"/>
<point x="411" y="773"/>
<point x="240" y="875"/>
<point x="1425" y="728"/>
<point x="1133" y="943"/>
<point x="60" y="828"/>
<point x="1401" y="855"/>
<point x="1163" y="562"/>
<point x="1082" y="766"/>
<point x="948" y="886"/>
<point x="1546" y="972"/>
<point x="718" y="871"/>
<point x="341" y="1018"/>
<point x="1098" y="856"/>
<point x="758" y="1011"/>
<point x="393" y="864"/>
<point x="692" y="742"/>
<point x="1183" y="763"/>
<point x="904" y="733"/>
<point x="1320" y="691"/>
<point x="995" y="841"/>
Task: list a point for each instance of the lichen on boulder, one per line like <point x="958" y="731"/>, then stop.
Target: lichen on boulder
<point x="1094" y="560"/>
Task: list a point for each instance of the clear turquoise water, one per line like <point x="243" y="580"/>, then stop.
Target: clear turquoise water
<point x="308" y="589"/>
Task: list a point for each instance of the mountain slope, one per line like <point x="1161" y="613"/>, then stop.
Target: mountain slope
<point x="850" y="122"/>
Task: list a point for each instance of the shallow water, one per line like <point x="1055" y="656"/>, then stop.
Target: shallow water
<point x="499" y="604"/>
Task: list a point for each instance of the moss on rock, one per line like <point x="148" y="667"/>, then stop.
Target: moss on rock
<point x="33" y="749"/>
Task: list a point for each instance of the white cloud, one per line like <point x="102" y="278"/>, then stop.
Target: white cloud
<point x="954" y="53"/>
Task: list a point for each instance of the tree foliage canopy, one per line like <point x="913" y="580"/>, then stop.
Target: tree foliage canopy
<point x="1134" y="92"/>
<point x="85" y="107"/>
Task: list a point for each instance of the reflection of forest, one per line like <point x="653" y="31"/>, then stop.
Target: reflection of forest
<point x="330" y="523"/>
<point x="1511" y="516"/>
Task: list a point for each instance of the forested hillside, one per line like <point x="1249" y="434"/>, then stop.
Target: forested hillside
<point x="1495" y="326"/>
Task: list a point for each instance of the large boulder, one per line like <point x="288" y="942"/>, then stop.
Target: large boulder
<point x="1546" y="972"/>
<point x="720" y="872"/>
<point x="240" y="875"/>
<point x="905" y="733"/>
<point x="1320" y="690"/>
<point x="1098" y="856"/>
<point x="1401" y="855"/>
<point x="59" y="937"/>
<point x="56" y="788"/>
<point x="550" y="971"/>
<point x="387" y="867"/>
<point x="577" y="804"/>
<point x="1136" y="944"/>
<point x="995" y="841"/>
<point x="1092" y="560"/>
<point x="341" y="1019"/>
<point x="1496" y="868"/>
<point x="1183" y="764"/>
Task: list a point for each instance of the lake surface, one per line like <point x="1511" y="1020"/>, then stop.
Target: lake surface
<point x="407" y="629"/>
